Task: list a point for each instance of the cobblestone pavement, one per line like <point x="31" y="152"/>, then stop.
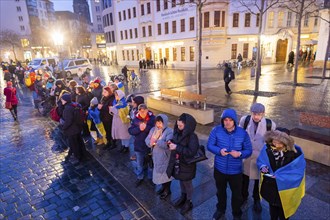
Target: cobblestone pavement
<point x="36" y="183"/>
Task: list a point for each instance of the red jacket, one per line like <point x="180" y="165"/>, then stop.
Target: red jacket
<point x="10" y="94"/>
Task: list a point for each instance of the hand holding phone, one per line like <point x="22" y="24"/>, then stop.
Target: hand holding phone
<point x="224" y="152"/>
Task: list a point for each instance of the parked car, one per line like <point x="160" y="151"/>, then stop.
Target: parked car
<point x="72" y="66"/>
<point x="38" y="63"/>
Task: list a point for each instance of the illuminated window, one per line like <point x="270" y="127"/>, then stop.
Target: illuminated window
<point x="271" y="19"/>
<point x="245" y="51"/>
<point x="233" y="51"/>
<point x="167" y="53"/>
<point x="183" y="54"/>
<point x="160" y="53"/>
<point x="192" y="53"/>
<point x="25" y="42"/>
<point x="100" y="39"/>
<point x="174" y="54"/>
<point x="280" y="19"/>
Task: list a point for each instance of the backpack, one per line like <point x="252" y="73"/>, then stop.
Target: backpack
<point x="268" y="123"/>
<point x="78" y="114"/>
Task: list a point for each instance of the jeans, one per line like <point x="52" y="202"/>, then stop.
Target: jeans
<point x="245" y="188"/>
<point x="77" y="146"/>
<point x="235" y="183"/>
<point x="140" y="168"/>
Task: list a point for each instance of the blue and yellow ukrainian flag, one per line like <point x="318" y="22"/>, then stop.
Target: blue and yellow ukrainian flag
<point x="290" y="181"/>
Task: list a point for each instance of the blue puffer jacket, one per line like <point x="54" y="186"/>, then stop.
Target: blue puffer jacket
<point x="238" y="140"/>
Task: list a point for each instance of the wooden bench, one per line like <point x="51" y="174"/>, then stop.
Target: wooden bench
<point x="170" y="94"/>
<point x="193" y="97"/>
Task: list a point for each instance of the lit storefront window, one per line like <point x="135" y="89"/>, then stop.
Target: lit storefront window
<point x="174" y="54"/>
<point x="25" y="42"/>
<point x="183" y="54"/>
<point x="192" y="53"/>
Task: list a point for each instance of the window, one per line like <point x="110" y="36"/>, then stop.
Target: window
<point x="129" y="13"/>
<point x="142" y="10"/>
<point x="127" y="54"/>
<point x="126" y="34"/>
<point x="306" y="20"/>
<point x="159" y="26"/>
<point x="158" y="5"/>
<point x="245" y="51"/>
<point x="113" y="36"/>
<point x="130" y="33"/>
<point x="217" y="18"/>
<point x="143" y="31"/>
<point x="136" y="33"/>
<point x="192" y="53"/>
<point x="206" y="19"/>
<point x="173" y="3"/>
<point x="18" y="8"/>
<point x="235" y="19"/>
<point x="289" y="18"/>
<point x="148" y="8"/>
<point x="271" y="19"/>
<point x="280" y="19"/>
<point x="247" y="20"/>
<point x="97" y="8"/>
<point x="315" y="22"/>
<point x="124" y="14"/>
<point x="132" y="55"/>
<point x="223" y="19"/>
<point x="107" y="22"/>
<point x="121" y="35"/>
<point x="22" y="28"/>
<point x="25" y="42"/>
<point x="99" y="27"/>
<point x="111" y="20"/>
<point x="166" y="27"/>
<point x="191" y="23"/>
<point x="297" y="20"/>
<point x="137" y="54"/>
<point x="20" y="18"/>
<point x="233" y="51"/>
<point x="182" y="2"/>
<point x="165" y="4"/>
<point x="173" y="27"/>
<point x="183" y="27"/>
<point x="183" y="54"/>
<point x="150" y="30"/>
<point x="257" y="19"/>
<point x="119" y="15"/>
<point x="174" y="54"/>
<point x="160" y="53"/>
<point x="167" y="53"/>
<point x="134" y="12"/>
<point x="98" y="18"/>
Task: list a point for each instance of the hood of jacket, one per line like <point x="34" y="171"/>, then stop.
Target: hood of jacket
<point x="229" y="113"/>
<point x="282" y="137"/>
<point x="165" y="120"/>
<point x="189" y="127"/>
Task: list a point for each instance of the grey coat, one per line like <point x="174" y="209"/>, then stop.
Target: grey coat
<point x="161" y="154"/>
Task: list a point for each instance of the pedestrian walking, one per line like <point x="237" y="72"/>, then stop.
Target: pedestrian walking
<point x="72" y="129"/>
<point x="184" y="147"/>
<point x="11" y="99"/>
<point x="106" y="118"/>
<point x="228" y="76"/>
<point x="230" y="144"/>
<point x="157" y="140"/>
<point x="120" y="121"/>
<point x="291" y="58"/>
<point x="165" y="61"/>
<point x="282" y="167"/>
<point x="239" y="61"/>
<point x="256" y="125"/>
<point x="140" y="128"/>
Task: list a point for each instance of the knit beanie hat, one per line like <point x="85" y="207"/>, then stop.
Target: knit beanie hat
<point x="66" y="97"/>
<point x="138" y="100"/>
<point x="257" y="108"/>
<point x="108" y="89"/>
<point x="94" y="101"/>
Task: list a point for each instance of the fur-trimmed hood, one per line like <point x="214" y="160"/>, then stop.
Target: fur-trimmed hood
<point x="282" y="137"/>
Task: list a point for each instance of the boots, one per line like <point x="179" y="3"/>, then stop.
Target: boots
<point x="181" y="200"/>
<point x="186" y="207"/>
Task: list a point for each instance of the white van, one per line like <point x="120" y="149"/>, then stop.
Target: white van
<point x="38" y="63"/>
<point x="71" y="66"/>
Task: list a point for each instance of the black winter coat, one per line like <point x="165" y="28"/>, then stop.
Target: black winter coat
<point x="227" y="71"/>
<point x="187" y="147"/>
<point x="70" y="127"/>
<point x="84" y="101"/>
<point x="104" y="111"/>
<point x="97" y="92"/>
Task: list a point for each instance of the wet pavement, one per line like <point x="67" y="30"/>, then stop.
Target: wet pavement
<point x="36" y="182"/>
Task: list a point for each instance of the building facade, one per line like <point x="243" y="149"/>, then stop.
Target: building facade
<point x="97" y="35"/>
<point x="81" y="8"/>
<point x="152" y="30"/>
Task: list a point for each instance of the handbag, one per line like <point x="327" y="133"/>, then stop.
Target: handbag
<point x="54" y="115"/>
<point x="8" y="105"/>
<point x="268" y="189"/>
<point x="200" y="156"/>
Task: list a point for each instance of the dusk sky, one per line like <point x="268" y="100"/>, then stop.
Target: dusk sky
<point x="63" y="5"/>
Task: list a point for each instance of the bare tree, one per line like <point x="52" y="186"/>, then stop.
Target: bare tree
<point x="258" y="8"/>
<point x="301" y="8"/>
<point x="11" y="39"/>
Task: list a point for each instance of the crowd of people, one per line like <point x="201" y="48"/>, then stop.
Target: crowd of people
<point x="249" y="149"/>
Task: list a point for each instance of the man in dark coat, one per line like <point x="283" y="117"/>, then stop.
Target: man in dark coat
<point x="72" y="129"/>
<point x="227" y="77"/>
<point x="183" y="146"/>
<point x="141" y="125"/>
